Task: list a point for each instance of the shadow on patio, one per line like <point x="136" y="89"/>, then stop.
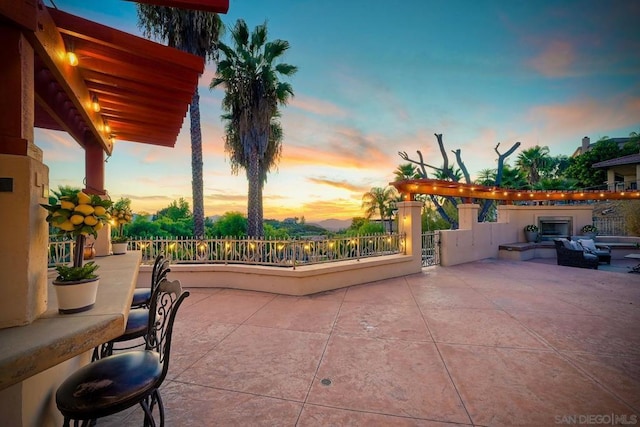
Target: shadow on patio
<point x="484" y="343"/>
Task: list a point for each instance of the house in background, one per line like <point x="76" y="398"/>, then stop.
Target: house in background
<point x="587" y="145"/>
<point x="623" y="173"/>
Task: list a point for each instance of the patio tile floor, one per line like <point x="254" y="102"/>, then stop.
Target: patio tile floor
<point x="486" y="343"/>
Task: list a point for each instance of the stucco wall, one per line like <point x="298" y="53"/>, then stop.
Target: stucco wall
<point x="303" y="280"/>
<point x="475" y="241"/>
<point x="24" y="240"/>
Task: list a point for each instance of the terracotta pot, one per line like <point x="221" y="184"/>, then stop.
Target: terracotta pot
<point x="76" y="297"/>
<point x="89" y="252"/>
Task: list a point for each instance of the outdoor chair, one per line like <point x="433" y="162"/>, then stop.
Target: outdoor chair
<point x="142" y="296"/>
<point x="138" y="318"/>
<point x="571" y="254"/>
<point x="115" y="383"/>
<point x="603" y="252"/>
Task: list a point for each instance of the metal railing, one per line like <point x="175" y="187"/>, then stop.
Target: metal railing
<point x="611" y="225"/>
<point x="430" y="248"/>
<point x="274" y="252"/>
<point x="60" y="252"/>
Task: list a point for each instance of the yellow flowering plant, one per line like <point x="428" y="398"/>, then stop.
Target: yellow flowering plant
<point x="121" y="215"/>
<point x="77" y="215"/>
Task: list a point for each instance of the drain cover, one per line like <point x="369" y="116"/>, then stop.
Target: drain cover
<point x="325" y="381"/>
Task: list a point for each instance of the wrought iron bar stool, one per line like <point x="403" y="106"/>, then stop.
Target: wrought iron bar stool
<point x="142" y="296"/>
<point x="138" y="318"/>
<point x="120" y="381"/>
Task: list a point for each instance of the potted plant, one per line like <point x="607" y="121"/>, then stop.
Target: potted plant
<point x="589" y="231"/>
<point x="77" y="215"/>
<point x="120" y="215"/>
<point x="531" y="232"/>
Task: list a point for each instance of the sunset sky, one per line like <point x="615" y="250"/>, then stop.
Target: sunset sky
<point x="377" y="77"/>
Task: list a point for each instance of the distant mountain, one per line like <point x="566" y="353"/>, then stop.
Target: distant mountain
<point x="333" y="224"/>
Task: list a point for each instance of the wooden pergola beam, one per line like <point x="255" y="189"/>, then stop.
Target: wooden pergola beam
<point x="411" y="187"/>
<point x="48" y="44"/>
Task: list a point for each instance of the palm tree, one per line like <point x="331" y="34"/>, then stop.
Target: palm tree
<point x="513" y="178"/>
<point x="533" y="161"/>
<point x="486" y="177"/>
<point x="452" y="173"/>
<point x="406" y="171"/>
<point x="195" y="32"/>
<point x="381" y="200"/>
<point x="253" y="92"/>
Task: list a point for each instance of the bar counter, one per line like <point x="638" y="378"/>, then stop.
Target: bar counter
<point x="54" y="338"/>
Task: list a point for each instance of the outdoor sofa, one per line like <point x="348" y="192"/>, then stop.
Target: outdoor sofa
<point x="571" y="254"/>
<point x="603" y="252"/>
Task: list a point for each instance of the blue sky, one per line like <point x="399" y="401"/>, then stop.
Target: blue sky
<point x="377" y="77"/>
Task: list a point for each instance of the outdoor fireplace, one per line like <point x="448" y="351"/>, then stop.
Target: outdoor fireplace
<point x="555" y="227"/>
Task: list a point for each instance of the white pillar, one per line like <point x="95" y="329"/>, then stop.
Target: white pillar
<point x="24" y="242"/>
<point x="410" y="223"/>
<point x="467" y="215"/>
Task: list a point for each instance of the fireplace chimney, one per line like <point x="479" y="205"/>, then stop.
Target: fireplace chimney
<point x="585" y="144"/>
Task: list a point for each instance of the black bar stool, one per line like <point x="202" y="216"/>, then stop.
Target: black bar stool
<point x="120" y="381"/>
<point x="141" y="296"/>
<point x="138" y="318"/>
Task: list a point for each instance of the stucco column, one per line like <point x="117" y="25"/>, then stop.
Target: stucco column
<point x="467" y="215"/>
<point x="410" y="223"/>
<point x="24" y="183"/>
<point x="94" y="168"/>
<point x="611" y="180"/>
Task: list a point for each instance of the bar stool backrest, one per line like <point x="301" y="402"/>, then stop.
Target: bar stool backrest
<point x="159" y="271"/>
<point x="165" y="301"/>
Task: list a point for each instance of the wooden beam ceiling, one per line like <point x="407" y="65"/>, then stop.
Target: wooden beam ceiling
<point x="144" y="88"/>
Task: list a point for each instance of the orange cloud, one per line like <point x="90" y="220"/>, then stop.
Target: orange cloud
<point x="59" y="137"/>
<point x="344" y="185"/>
<point x="338" y="208"/>
<point x="585" y="117"/>
<point x="556" y="60"/>
<point x="317" y="106"/>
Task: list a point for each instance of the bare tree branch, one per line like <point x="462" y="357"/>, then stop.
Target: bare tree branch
<point x="463" y="167"/>
<point x="445" y="167"/>
<point x="501" y="159"/>
<point x="420" y="163"/>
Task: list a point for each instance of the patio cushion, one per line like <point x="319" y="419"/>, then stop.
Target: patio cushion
<point x="566" y="243"/>
<point x="590" y="246"/>
<point x="575" y="245"/>
<point x="590" y="256"/>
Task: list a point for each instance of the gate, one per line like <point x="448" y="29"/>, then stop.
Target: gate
<point x="431" y="248"/>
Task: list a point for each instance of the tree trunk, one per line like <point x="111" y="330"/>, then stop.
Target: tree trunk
<point x="196" y="166"/>
<point x="78" y="251"/>
<point x="254" y="202"/>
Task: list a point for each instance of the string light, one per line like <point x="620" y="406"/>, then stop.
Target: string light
<point x="94" y="104"/>
<point x="72" y="59"/>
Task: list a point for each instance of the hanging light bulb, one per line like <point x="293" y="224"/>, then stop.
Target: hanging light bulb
<point x="70" y="55"/>
<point x="94" y="104"/>
<point x="72" y="58"/>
